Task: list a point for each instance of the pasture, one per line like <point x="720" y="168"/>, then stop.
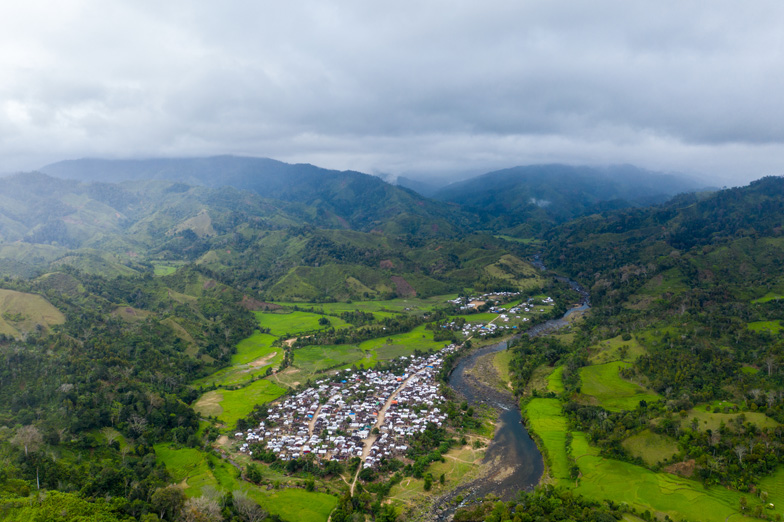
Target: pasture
<point x="196" y="470"/>
<point x="602" y="385"/>
<point x="612" y="349"/>
<point x="254" y="355"/>
<point x="292" y="323"/>
<point x="651" y="447"/>
<point x="231" y="405"/>
<point x="772" y="327"/>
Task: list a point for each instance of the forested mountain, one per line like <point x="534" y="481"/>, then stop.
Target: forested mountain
<point x="341" y="199"/>
<point x="531" y="198"/>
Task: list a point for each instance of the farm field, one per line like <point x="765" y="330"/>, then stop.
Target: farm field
<point x="546" y="420"/>
<point x="310" y="360"/>
<point x="602" y="385"/>
<point x="651" y="447"/>
<point x="555" y="381"/>
<point x="292" y="323"/>
<point x="231" y="405"/>
<point x="609" y="479"/>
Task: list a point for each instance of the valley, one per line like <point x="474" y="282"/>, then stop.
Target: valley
<point x="331" y="357"/>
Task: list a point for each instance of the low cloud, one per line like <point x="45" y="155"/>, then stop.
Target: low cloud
<point x="406" y="87"/>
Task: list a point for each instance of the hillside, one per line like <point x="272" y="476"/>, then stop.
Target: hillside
<point x="526" y="200"/>
<point x="340" y="199"/>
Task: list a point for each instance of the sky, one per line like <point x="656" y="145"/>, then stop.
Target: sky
<point x="433" y="88"/>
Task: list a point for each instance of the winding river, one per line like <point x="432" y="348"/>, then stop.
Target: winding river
<point x="514" y="461"/>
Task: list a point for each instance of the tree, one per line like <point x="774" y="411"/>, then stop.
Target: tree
<point x="247" y="508"/>
<point x="28" y="437"/>
<point x="168" y="502"/>
<point x="201" y="509"/>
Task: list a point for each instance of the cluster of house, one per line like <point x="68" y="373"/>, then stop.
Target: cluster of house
<point x="469" y="303"/>
<point x="469" y="329"/>
<point x="335" y="419"/>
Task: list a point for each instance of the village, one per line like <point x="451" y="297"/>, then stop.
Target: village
<point x="505" y="315"/>
<point x="368" y="414"/>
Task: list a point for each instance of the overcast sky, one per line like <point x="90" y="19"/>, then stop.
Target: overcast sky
<point x="398" y="87"/>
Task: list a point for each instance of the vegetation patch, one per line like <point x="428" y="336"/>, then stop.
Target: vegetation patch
<point x="773" y="327"/>
<point x="22" y="313"/>
<point x="616" y="349"/>
<point x="294" y="322"/>
<point x="603" y="385"/>
<point x="546" y="420"/>
<point x="651" y="447"/>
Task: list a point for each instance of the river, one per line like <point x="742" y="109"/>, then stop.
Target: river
<point x="513" y="460"/>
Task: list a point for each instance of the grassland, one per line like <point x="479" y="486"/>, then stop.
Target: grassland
<point x="545" y="419"/>
<point x="555" y="381"/>
<point x="770" y="296"/>
<point x="651" y="447"/>
<point x="622" y="482"/>
<point x="254" y="356"/>
<point x="231" y="405"/>
<point x="712" y="420"/>
<point x="196" y="470"/>
<point x="21" y="312"/>
<point x="602" y="385"/>
<point x="610" y="350"/>
<point x="773" y="327"/>
<point x="501" y="363"/>
<point x="281" y="324"/>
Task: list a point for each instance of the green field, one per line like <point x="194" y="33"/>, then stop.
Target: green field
<point x="22" y="312"/>
<point x="231" y="405"/>
<point x="712" y="420"/>
<point x="773" y="327"/>
<point x="770" y="296"/>
<point x="390" y="306"/>
<point x="196" y="470"/>
<point x="254" y="355"/>
<point x="608" y="479"/>
<point x="501" y="363"/>
<point x="311" y="359"/>
<point x="546" y="420"/>
<point x="603" y="386"/>
<point x="651" y="447"/>
<point x="163" y="270"/>
<point x="293" y="323"/>
<point x="555" y="381"/>
<point x="610" y="350"/>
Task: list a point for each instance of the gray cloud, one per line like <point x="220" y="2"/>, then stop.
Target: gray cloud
<point x="403" y="87"/>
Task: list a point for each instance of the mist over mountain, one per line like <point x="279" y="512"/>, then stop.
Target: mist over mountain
<point x="537" y="195"/>
<point x="343" y="199"/>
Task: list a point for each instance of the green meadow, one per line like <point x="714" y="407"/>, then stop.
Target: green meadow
<point x="231" y="405"/>
<point x="712" y="420"/>
<point x="773" y="327"/>
<point x="608" y="479"/>
<point x="294" y="322"/>
<point x="555" y="381"/>
<point x="546" y="420"/>
<point x="611" y="350"/>
<point x="196" y="470"/>
<point x="602" y="385"/>
<point x="254" y="355"/>
<point x="315" y="358"/>
<point x="651" y="447"/>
